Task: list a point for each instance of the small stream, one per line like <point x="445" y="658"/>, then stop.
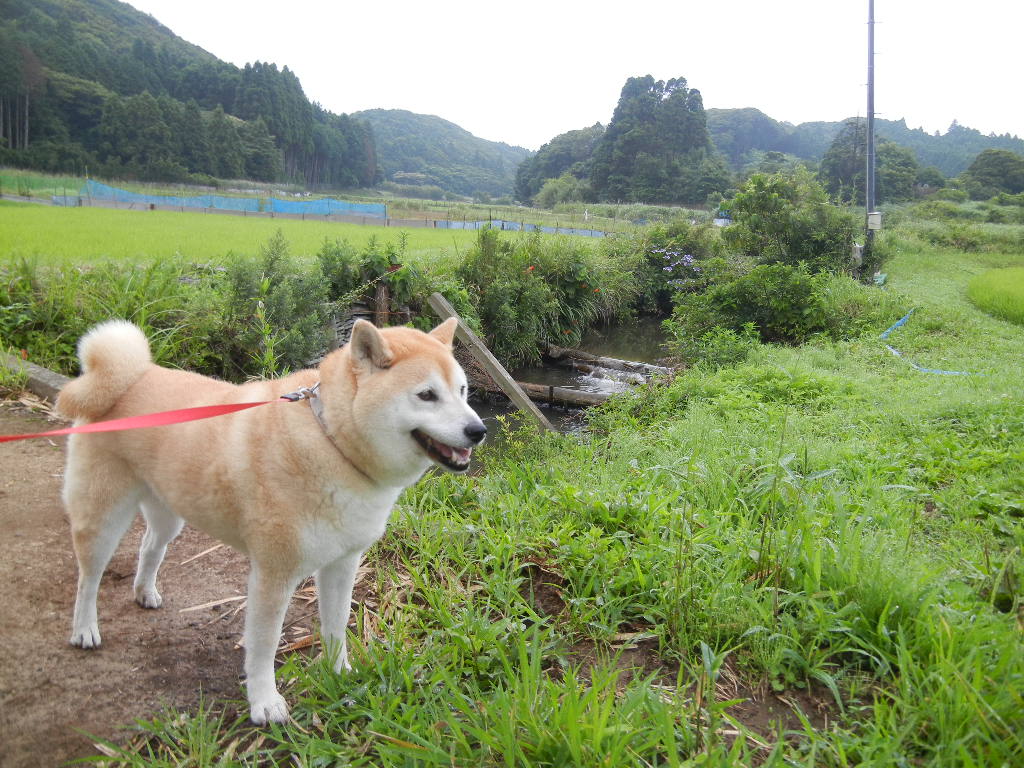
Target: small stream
<point x="640" y="341"/>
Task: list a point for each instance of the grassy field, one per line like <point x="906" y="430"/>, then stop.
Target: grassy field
<point x="1000" y="292"/>
<point x="56" y="235"/>
<point x="608" y="218"/>
<point x="821" y="527"/>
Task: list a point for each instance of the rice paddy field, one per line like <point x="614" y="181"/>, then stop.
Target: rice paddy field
<point x="66" y="236"/>
<point x="822" y="529"/>
<point x="1000" y="292"/>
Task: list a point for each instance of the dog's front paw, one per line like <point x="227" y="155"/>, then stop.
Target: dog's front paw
<point x="272" y="709"/>
<point x="86" y="637"/>
<point x="148" y="598"/>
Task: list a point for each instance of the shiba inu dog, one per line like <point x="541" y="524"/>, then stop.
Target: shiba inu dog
<point x="302" y="488"/>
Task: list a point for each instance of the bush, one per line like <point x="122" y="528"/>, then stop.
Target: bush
<point x="268" y="315"/>
<point x="787" y="219"/>
<point x="950" y="193"/>
<point x="675" y="257"/>
<point x="715" y="348"/>
<point x="782" y="304"/>
<point x="532" y="291"/>
<point x="944" y="210"/>
<point x="45" y="310"/>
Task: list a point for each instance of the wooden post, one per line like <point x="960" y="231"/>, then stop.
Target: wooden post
<point x="490" y="363"/>
<point x="382" y="305"/>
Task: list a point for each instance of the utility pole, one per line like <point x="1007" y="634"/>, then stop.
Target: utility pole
<point x="869" y="196"/>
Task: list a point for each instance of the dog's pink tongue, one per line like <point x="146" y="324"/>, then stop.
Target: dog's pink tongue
<point x="462" y="455"/>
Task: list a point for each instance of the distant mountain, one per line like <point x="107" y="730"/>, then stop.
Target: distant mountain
<point x="98" y="84"/>
<point x="738" y="132"/>
<point x="427" y="150"/>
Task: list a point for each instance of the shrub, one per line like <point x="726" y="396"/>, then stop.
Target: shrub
<point x="45" y="310"/>
<point x="778" y="299"/>
<point x="675" y="257"/>
<point x="944" y="210"/>
<point x="780" y="304"/>
<point x="714" y="348"/>
<point x="951" y="194"/>
<point x="269" y="315"/>
<point x="534" y="290"/>
<point x="787" y="219"/>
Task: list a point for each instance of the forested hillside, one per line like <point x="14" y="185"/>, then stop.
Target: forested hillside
<point x="96" y="84"/>
<point x="739" y="133"/>
<point x="656" y="149"/>
<point x="428" y="152"/>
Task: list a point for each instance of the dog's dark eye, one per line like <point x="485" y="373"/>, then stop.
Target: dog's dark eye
<point x="427" y="395"/>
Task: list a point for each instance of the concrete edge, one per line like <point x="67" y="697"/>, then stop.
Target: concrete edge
<point x="42" y="382"/>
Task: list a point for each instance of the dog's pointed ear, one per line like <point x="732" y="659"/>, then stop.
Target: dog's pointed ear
<point x="369" y="347"/>
<point x="445" y="332"/>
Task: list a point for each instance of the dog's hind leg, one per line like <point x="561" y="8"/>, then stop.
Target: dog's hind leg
<point x="101" y="505"/>
<point x="162" y="526"/>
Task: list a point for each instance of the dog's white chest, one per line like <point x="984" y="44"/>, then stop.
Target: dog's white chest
<point x="352" y="523"/>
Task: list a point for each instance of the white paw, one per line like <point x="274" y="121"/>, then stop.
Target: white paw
<point x="148" y="598"/>
<point x="341" y="665"/>
<point x="88" y="637"/>
<point x="271" y="709"/>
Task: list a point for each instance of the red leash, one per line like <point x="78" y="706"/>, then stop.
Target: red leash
<point x="151" y="419"/>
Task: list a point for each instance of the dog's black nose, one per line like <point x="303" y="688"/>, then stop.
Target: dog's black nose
<point x="475" y="432"/>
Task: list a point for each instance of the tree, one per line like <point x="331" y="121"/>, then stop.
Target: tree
<point x="843" y="169"/>
<point x="896" y="174"/>
<point x="787" y="219"/>
<point x="225" y="146"/>
<point x="565" y="189"/>
<point x="994" y="171"/>
<point x="566" y="153"/>
<point x="656" y="147"/>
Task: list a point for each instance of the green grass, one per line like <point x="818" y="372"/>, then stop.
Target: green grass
<point x="821" y="520"/>
<point x="1000" y="292"/>
<point x="54" y="235"/>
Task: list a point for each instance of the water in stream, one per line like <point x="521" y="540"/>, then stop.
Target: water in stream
<point x="640" y="341"/>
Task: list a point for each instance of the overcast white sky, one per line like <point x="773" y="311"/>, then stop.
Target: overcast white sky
<point x="523" y="72"/>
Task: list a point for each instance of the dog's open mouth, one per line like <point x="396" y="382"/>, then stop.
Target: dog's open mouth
<point x="455" y="459"/>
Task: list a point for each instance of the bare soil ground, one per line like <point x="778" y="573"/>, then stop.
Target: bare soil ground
<point x="54" y="698"/>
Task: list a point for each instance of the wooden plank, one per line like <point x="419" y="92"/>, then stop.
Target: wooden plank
<point x="564" y="353"/>
<point x="545" y="393"/>
<point x="490" y="363"/>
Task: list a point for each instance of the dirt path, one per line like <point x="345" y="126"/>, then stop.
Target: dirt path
<point x="50" y="692"/>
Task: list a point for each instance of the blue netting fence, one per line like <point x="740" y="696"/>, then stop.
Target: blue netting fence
<point x="517" y="226"/>
<point x="95" y="190"/>
<point x="99" y="191"/>
<point x="327" y="206"/>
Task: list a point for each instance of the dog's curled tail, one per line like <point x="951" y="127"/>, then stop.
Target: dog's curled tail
<point x="114" y="355"/>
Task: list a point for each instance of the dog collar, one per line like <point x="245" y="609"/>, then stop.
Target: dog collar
<point x="316" y="405"/>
